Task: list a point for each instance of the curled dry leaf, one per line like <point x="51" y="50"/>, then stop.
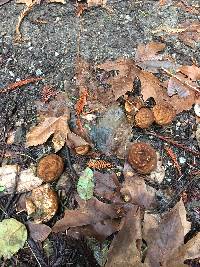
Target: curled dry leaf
<point x="123" y="81"/>
<point x="21" y="181"/>
<point x="92" y="212"/>
<point x="167" y="237"/>
<point x="54" y="121"/>
<point x="38" y="232"/>
<point x="135" y="190"/>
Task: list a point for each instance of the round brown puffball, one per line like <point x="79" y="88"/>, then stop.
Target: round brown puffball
<point x="164" y="113"/>
<point x="50" y="167"/>
<point x="42" y="203"/>
<point x="142" y="157"/>
<point x="144" y="118"/>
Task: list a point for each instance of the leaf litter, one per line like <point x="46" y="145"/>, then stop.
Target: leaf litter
<point x="129" y="199"/>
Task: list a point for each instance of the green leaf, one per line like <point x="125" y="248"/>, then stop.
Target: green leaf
<point x="2" y="188"/>
<point x="85" y="186"/>
<point x="13" y="236"/>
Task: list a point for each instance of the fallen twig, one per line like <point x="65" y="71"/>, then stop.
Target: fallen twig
<point x="174" y="143"/>
<point x="15" y="85"/>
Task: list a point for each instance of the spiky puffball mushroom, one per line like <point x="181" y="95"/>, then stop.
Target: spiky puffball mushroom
<point x="164" y="113"/>
<point x="142" y="157"/>
<point x="50" y="167"/>
<point x="42" y="203"/>
<point x="144" y="118"/>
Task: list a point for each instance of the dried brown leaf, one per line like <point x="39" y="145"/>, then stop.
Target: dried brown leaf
<point x="149" y="51"/>
<point x="193" y="72"/>
<point x="91" y="212"/>
<point x="123" y="82"/>
<point x="54" y="121"/>
<point x="100" y="230"/>
<point x="168" y="237"/>
<point x="148" y="59"/>
<point x="135" y="190"/>
<point x="191" y="34"/>
<point x="151" y="87"/>
<point x="190" y="250"/>
<point x="105" y="184"/>
<point x="38" y="232"/>
<point x="125" y="248"/>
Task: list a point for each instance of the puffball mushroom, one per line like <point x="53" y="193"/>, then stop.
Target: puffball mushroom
<point x="50" y="167"/>
<point x="144" y="118"/>
<point x="142" y="157"/>
<point x="42" y="203"/>
<point x="164" y="113"/>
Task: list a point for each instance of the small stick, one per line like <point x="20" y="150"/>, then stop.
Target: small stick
<point x="174" y="143"/>
<point x="15" y="85"/>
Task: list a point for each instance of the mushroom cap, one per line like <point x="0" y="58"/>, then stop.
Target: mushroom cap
<point x="164" y="113"/>
<point x="50" y="167"/>
<point x="144" y="118"/>
<point x="42" y="203"/>
<point x="142" y="157"/>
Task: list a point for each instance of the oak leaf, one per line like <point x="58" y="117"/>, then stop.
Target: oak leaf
<point x="123" y="81"/>
<point x="54" y="121"/>
<point x="125" y="249"/>
<point x="167" y="237"/>
<point x="91" y="212"/>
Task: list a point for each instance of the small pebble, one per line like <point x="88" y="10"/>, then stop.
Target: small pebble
<point x="38" y="72"/>
<point x="182" y="160"/>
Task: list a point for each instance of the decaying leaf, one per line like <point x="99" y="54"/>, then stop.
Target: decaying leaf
<point x="190" y="250"/>
<point x="13" y="235"/>
<point x="191" y="34"/>
<point x="105" y="184"/>
<point x="54" y="121"/>
<point x="93" y="211"/>
<point x="125" y="249"/>
<point x="151" y="87"/>
<point x="135" y="190"/>
<point x="85" y="186"/>
<point x="168" y="237"/>
<point x="193" y="72"/>
<point x="123" y="81"/>
<point x="21" y="181"/>
<point x="38" y="232"/>
<point x="147" y="57"/>
<point x="100" y="230"/>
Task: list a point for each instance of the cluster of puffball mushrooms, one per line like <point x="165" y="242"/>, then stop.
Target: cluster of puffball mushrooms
<point x="42" y="203"/>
